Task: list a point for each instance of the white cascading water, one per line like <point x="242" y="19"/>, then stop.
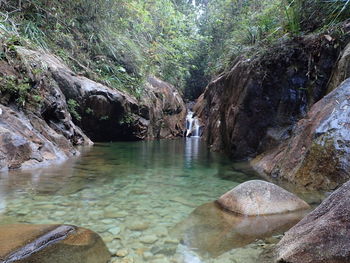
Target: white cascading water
<point x="192" y="125"/>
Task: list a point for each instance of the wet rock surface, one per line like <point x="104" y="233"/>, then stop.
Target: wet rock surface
<point x="317" y="155"/>
<point x="258" y="197"/>
<point x="166" y="109"/>
<point x="322" y="236"/>
<point x="209" y="229"/>
<point x="111" y="115"/>
<point x="51" y="243"/>
<point x="41" y="132"/>
<point x="28" y="141"/>
<point x="35" y="133"/>
<point x="253" y="107"/>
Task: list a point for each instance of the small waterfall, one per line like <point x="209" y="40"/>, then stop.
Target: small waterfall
<point x="192" y="125"/>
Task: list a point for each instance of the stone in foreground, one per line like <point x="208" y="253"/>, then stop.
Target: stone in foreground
<point x="258" y="197"/>
<point x="323" y="235"/>
<point x="25" y="243"/>
<point x="211" y="230"/>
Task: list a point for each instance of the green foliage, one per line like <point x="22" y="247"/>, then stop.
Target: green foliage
<point x="184" y="42"/>
<point x="127" y="119"/>
<point x="230" y="28"/>
<point x="113" y="41"/>
<point x="104" y="118"/>
<point x="73" y="107"/>
<point x="316" y="14"/>
<point x="17" y="87"/>
<point x="89" y="111"/>
<point x="293" y="19"/>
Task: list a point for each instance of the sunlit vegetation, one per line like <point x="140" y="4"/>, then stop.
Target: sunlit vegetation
<point x="184" y="42"/>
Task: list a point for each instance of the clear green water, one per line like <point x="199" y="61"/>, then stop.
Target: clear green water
<point x="142" y="197"/>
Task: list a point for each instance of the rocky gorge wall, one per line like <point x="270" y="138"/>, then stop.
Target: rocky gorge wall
<point x="65" y="106"/>
<point x="255" y="107"/>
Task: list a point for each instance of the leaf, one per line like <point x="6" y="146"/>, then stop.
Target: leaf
<point x="121" y="69"/>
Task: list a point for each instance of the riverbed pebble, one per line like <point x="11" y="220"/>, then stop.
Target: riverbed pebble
<point x="122" y="253"/>
<point x="149" y="239"/>
<point x="138" y="226"/>
<point x="114" y="230"/>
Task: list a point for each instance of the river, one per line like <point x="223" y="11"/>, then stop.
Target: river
<point x="151" y="201"/>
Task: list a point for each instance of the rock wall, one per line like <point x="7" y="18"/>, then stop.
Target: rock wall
<point x="253" y="107"/>
<point x="322" y="236"/>
<point x="35" y="134"/>
<point x="110" y="115"/>
<point x="28" y="141"/>
<point x="318" y="153"/>
<point x="165" y="109"/>
<point x="274" y="108"/>
<point x="45" y="131"/>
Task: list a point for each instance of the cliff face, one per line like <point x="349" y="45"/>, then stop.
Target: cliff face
<point x="108" y="114"/>
<point x="254" y="106"/>
<point x="253" y="109"/>
<point x="165" y="110"/>
<point x="46" y="127"/>
<point x="317" y="154"/>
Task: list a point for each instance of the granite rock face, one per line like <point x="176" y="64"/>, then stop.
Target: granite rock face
<point x="24" y="243"/>
<point x="323" y="235"/>
<point x="35" y="134"/>
<point x="68" y="106"/>
<point x="258" y="197"/>
<point x="317" y="154"/>
<point x="28" y="141"/>
<point x="287" y="109"/>
<point x="111" y="115"/>
<point x="253" y="107"/>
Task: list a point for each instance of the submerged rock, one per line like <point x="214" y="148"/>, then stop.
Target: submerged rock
<point x="51" y="244"/>
<point x="318" y="153"/>
<point x="323" y="235"/>
<point x="209" y="229"/>
<point x="258" y="197"/>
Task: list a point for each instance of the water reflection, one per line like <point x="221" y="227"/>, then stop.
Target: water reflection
<point x="2" y="199"/>
<point x="192" y="151"/>
<point x="184" y="158"/>
<point x="156" y="184"/>
<point x="210" y="231"/>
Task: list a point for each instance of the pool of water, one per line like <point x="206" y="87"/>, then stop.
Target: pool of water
<point x="150" y="201"/>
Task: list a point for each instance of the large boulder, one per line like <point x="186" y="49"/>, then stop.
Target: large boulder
<point x="27" y="141"/>
<point x="317" y="155"/>
<point x="323" y="235"/>
<point x="34" y="132"/>
<point x="166" y="109"/>
<point x="24" y="243"/>
<point x="258" y="197"/>
<point x="107" y="114"/>
<point x="254" y="106"/>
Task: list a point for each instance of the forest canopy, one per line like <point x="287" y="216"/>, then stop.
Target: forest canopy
<point x="184" y="42"/>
